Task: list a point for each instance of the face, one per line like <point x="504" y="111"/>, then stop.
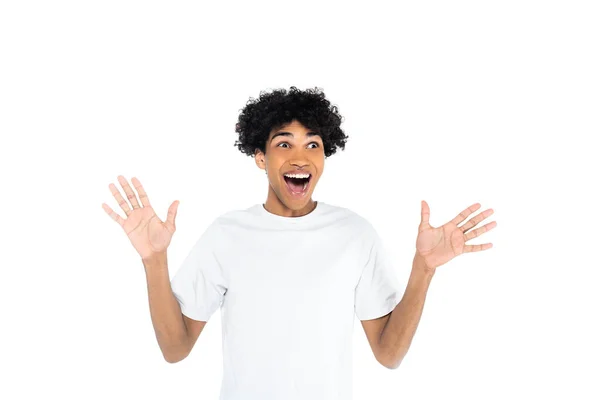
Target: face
<point x="292" y="148"/>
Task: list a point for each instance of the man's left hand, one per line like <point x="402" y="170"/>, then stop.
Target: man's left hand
<point x="439" y="245"/>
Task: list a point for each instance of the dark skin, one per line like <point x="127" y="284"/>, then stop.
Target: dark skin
<point x="298" y="149"/>
<point x="291" y="148"/>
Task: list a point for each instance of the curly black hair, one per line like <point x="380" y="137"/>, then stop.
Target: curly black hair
<point x="277" y="108"/>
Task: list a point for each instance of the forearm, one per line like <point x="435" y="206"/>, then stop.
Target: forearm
<point x="165" y="311"/>
<point x="398" y="332"/>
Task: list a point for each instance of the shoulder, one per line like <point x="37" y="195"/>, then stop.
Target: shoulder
<point x="353" y="220"/>
<point x="230" y="222"/>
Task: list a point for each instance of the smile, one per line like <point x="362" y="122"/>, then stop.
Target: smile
<point x="297" y="187"/>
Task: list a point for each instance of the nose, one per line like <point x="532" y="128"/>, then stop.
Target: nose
<point x="299" y="164"/>
<point x="298" y="160"/>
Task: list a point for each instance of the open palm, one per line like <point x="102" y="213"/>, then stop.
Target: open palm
<point x="148" y="234"/>
<point x="439" y="245"/>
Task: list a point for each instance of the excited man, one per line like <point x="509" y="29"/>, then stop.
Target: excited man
<point x="289" y="275"/>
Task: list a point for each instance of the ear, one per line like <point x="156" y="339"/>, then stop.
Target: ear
<point x="259" y="158"/>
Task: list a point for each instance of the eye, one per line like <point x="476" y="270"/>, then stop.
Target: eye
<point x="286" y="143"/>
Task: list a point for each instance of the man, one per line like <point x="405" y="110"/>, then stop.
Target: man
<point x="289" y="275"/>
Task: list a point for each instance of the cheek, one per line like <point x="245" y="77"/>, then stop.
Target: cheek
<point x="275" y="164"/>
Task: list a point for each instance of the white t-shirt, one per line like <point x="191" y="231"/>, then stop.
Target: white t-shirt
<point x="288" y="289"/>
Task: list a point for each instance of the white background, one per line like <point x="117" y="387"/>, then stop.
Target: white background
<point x="451" y="102"/>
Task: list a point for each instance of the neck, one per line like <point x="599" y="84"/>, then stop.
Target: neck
<point x="277" y="207"/>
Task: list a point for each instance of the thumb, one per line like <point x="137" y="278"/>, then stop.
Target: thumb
<point x="424" y="213"/>
<point x="172" y="213"/>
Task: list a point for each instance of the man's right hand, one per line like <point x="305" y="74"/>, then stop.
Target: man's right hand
<point x="149" y="235"/>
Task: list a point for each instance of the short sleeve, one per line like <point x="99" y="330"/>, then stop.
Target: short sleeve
<point x="199" y="284"/>
<point x="378" y="290"/>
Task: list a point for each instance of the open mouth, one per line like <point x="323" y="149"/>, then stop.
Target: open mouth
<point x="297" y="186"/>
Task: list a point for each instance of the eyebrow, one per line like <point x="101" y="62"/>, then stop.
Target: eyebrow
<point x="289" y="134"/>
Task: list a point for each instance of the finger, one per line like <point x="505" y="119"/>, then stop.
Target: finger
<point x="122" y="203"/>
<point x="425" y="212"/>
<point x="113" y="214"/>
<point x="475" y="220"/>
<point x="141" y="192"/>
<point x="172" y="213"/>
<point x="463" y="215"/>
<point x="480" y="231"/>
<point x="477" y="247"/>
<point x="128" y="192"/>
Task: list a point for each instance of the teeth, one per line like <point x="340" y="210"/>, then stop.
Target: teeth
<point x="297" y="175"/>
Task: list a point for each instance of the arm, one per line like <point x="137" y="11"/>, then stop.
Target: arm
<point x="175" y="333"/>
<point x="399" y="329"/>
<point x="390" y="336"/>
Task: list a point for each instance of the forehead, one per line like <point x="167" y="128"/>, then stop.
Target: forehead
<point x="293" y="129"/>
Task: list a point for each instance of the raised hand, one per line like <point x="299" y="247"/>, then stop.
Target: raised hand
<point x="439" y="245"/>
<point x="148" y="234"/>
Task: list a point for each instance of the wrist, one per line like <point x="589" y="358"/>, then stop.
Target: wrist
<point x="155" y="260"/>
<point x="420" y="265"/>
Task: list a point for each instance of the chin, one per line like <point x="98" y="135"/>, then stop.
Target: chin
<point x="295" y="204"/>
